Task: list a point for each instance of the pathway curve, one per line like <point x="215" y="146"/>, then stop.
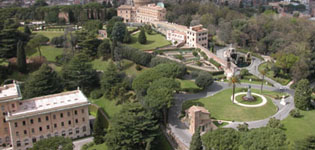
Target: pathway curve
<point x="180" y="130"/>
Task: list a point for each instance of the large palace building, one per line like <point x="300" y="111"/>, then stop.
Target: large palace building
<point x="23" y="122"/>
<point x="143" y="11"/>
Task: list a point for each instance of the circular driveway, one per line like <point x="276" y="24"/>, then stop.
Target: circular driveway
<point x="264" y="100"/>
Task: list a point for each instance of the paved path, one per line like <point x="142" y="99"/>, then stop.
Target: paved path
<point x="181" y="131"/>
<point x="79" y="143"/>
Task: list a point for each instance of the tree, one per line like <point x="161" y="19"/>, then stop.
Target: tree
<point x="37" y="42"/>
<point x="90" y="46"/>
<point x="142" y="39"/>
<point x="222" y="138"/>
<point x="263" y="73"/>
<point x="127" y="37"/>
<point x="119" y="31"/>
<point x="243" y="127"/>
<point x="99" y="128"/>
<point x="40" y="3"/>
<point x="93" y="25"/>
<point x="132" y="128"/>
<point x="196" y="143"/>
<point x="21" y="58"/>
<point x="111" y="24"/>
<point x="306" y="144"/>
<point x="8" y="42"/>
<point x="110" y="78"/>
<point x="302" y="97"/>
<point x="54" y="143"/>
<point x="274" y="123"/>
<point x="269" y="138"/>
<point x="42" y="82"/>
<point x="204" y="80"/>
<point x="233" y="81"/>
<point x="79" y="73"/>
<point x="104" y="48"/>
<point x="27" y="30"/>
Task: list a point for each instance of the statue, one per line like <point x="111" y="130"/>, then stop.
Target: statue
<point x="282" y="102"/>
<point x="249" y="96"/>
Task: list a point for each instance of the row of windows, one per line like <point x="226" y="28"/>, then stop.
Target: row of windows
<point x="7" y="140"/>
<point x="63" y="133"/>
<point x="48" y="127"/>
<point x="47" y="118"/>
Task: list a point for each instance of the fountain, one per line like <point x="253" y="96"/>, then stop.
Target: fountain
<point x="249" y="96"/>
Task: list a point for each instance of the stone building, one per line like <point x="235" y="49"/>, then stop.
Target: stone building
<point x="312" y="7"/>
<point x="197" y="35"/>
<point x="24" y="122"/>
<point x="197" y="116"/>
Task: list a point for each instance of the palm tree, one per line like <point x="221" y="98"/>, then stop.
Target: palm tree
<point x="263" y="72"/>
<point x="232" y="81"/>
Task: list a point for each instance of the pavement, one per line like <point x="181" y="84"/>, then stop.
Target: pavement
<point x="180" y="130"/>
<point x="79" y="143"/>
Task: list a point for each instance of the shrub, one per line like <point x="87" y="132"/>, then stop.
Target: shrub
<point x="198" y="63"/>
<point x="96" y="94"/>
<point x="244" y="72"/>
<point x="204" y="80"/>
<point x="180" y="57"/>
<point x="295" y="113"/>
<point x="195" y="53"/>
<point x="138" y="68"/>
<point x="215" y="63"/>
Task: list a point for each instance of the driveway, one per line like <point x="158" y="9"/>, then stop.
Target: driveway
<point x="79" y="143"/>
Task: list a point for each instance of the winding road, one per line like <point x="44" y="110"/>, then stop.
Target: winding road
<point x="180" y="130"/>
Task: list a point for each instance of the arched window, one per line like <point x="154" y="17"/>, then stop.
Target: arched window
<point x="18" y="143"/>
<point x="63" y="133"/>
<point x="84" y="128"/>
<point x="77" y="130"/>
<point x="26" y="142"/>
<point x="70" y="131"/>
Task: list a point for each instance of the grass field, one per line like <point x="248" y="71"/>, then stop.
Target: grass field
<point x="300" y="128"/>
<point x="109" y="106"/>
<point x="221" y="107"/>
<point x="49" y="34"/>
<point x="270" y="74"/>
<point x="188" y="86"/>
<point x="153" y="41"/>
<point x="98" y="147"/>
<point x="50" y="52"/>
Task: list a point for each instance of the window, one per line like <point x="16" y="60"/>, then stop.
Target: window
<point x="18" y="143"/>
<point x="26" y="142"/>
<point x="47" y="118"/>
<point x="40" y="129"/>
<point x="55" y="125"/>
<point x="7" y="139"/>
<point x="25" y="132"/>
<point x="75" y="112"/>
<point x="69" y="114"/>
<point x="77" y="130"/>
<point x="2" y="108"/>
<point x="32" y="121"/>
<point x="61" y="115"/>
<point x="69" y="122"/>
<point x="82" y="111"/>
<point x="54" y="116"/>
<point x="24" y="123"/>
<point x="13" y="106"/>
<point x="56" y="133"/>
<point x="84" y="128"/>
<point x="39" y="120"/>
<point x="47" y="127"/>
<point x="70" y="131"/>
<point x="17" y="133"/>
<point x="83" y="119"/>
<point x="4" y="120"/>
<point x="16" y="124"/>
<point x="62" y="124"/>
<point x="63" y="133"/>
<point x="0" y="140"/>
<point x="33" y="130"/>
<point x="34" y="140"/>
<point x="76" y="120"/>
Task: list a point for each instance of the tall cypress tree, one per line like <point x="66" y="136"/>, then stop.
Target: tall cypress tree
<point x="21" y="58"/>
<point x="27" y="30"/>
<point x="302" y="97"/>
<point x="127" y="37"/>
<point x="142" y="39"/>
<point x="42" y="82"/>
<point x="99" y="128"/>
<point x="196" y="143"/>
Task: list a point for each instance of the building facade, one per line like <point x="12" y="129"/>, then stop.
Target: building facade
<point x="312" y="7"/>
<point x="25" y="122"/>
<point x="197" y="35"/>
<point x="173" y="35"/>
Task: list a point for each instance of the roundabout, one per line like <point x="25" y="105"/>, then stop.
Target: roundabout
<point x="238" y="102"/>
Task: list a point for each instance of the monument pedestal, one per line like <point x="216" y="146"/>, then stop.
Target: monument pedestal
<point x="282" y="102"/>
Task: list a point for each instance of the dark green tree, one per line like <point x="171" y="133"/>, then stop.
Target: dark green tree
<point x="40" y="3"/>
<point x="127" y="37"/>
<point x="110" y="78"/>
<point x="243" y="127"/>
<point x="119" y="31"/>
<point x="54" y="143"/>
<point x="27" y="30"/>
<point x="93" y="25"/>
<point x="99" y="128"/>
<point x="90" y="46"/>
<point x="142" y="39"/>
<point x="104" y="49"/>
<point x="8" y="42"/>
<point x="196" y="143"/>
<point x="222" y="138"/>
<point x="132" y="128"/>
<point x="204" y="80"/>
<point x="302" y="97"/>
<point x="111" y="23"/>
<point x="21" y="58"/>
<point x="42" y="82"/>
<point x="274" y="123"/>
<point x="37" y="42"/>
<point x="79" y="73"/>
<point x="306" y="144"/>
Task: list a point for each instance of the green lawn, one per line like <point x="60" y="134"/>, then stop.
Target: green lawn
<point x="300" y="128"/>
<point x="270" y="74"/>
<point x="153" y="41"/>
<point x="221" y="107"/>
<point x="109" y="106"/>
<point x="50" y="34"/>
<point x="50" y="52"/>
<point x="188" y="86"/>
<point x="98" y="147"/>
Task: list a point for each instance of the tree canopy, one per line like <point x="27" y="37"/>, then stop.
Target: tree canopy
<point x="302" y="97"/>
<point x="54" y="143"/>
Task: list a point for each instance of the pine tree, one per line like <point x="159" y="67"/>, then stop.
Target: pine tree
<point x="127" y="37"/>
<point x="99" y="128"/>
<point x="196" y="143"/>
<point x="27" y="30"/>
<point x="79" y="73"/>
<point x="21" y="58"/>
<point x="142" y="39"/>
<point x="302" y="97"/>
<point x="42" y="82"/>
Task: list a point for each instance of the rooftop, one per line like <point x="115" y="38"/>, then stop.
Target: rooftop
<point x="9" y="92"/>
<point x="49" y="103"/>
<point x="198" y="108"/>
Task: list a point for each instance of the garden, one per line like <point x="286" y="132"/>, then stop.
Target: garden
<point x="274" y="73"/>
<point x="221" y="107"/>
